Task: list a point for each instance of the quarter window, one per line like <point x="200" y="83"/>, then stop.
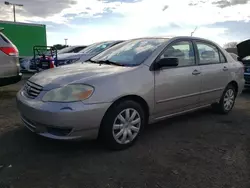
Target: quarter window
<point x="223" y="59"/>
<point x="208" y="54"/>
<point x="183" y="50"/>
<point x="4" y="38"/>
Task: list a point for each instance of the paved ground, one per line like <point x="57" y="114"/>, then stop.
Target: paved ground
<point x="201" y="149"/>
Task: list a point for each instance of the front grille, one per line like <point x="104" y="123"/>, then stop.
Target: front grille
<point x="32" y="90"/>
<point x="40" y="128"/>
<point x="247" y="69"/>
<point x="59" y="131"/>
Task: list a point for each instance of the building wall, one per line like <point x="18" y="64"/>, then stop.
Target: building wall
<point x="25" y="36"/>
<point x="232" y="50"/>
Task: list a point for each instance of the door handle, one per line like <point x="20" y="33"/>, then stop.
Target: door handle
<point x="225" y="68"/>
<point x="196" y="72"/>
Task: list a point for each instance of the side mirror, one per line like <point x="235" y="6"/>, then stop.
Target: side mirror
<point x="167" y="62"/>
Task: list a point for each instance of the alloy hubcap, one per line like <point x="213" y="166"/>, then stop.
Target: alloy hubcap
<point x="229" y="99"/>
<point x="126" y="126"/>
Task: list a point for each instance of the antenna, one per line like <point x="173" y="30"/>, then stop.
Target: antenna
<point x="194" y="31"/>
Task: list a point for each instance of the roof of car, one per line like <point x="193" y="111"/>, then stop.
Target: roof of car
<point x="74" y="46"/>
<point x="112" y="41"/>
<point x="173" y="37"/>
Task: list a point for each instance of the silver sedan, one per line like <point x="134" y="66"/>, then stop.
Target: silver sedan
<point x="140" y="81"/>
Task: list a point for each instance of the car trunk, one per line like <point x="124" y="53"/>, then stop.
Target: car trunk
<point x="244" y="56"/>
<point x="243" y="49"/>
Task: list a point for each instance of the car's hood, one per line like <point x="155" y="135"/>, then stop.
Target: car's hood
<point x="86" y="57"/>
<point x="243" y="49"/>
<point x="74" y="73"/>
<point x="67" y="56"/>
<point x="81" y="56"/>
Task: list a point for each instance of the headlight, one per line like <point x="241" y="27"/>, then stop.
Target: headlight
<point x="69" y="93"/>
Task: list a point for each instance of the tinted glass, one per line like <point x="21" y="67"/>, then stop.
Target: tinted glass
<point x="4" y="38"/>
<point x="130" y="53"/>
<point x="65" y="50"/>
<point x="184" y="51"/>
<point x="77" y="49"/>
<point x="96" y="48"/>
<point x="246" y="58"/>
<point x="208" y="53"/>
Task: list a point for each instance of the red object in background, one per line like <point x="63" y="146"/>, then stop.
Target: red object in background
<point x="51" y="64"/>
<point x="48" y="59"/>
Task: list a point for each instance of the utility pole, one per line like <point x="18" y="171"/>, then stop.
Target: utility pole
<point x="14" y="11"/>
<point x="14" y="8"/>
<point x="66" y="42"/>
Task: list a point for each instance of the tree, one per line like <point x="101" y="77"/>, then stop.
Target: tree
<point x="59" y="46"/>
<point x="231" y="45"/>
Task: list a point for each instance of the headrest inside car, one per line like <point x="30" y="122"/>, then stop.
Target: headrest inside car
<point x="207" y="54"/>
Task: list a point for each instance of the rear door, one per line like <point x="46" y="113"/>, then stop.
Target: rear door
<point x="9" y="63"/>
<point x="214" y="71"/>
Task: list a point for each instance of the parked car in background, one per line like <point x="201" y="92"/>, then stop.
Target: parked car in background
<point x="244" y="57"/>
<point x="71" y="49"/>
<point x="9" y="62"/>
<point x="27" y="63"/>
<point x="85" y="54"/>
<point x="114" y="94"/>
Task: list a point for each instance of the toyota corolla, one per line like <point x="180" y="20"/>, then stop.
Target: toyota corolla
<point x="114" y="94"/>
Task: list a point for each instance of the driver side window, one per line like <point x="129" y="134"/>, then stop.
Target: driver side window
<point x="182" y="50"/>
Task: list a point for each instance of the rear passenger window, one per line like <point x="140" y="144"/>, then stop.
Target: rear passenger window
<point x="183" y="50"/>
<point x="4" y="38"/>
<point x="208" y="54"/>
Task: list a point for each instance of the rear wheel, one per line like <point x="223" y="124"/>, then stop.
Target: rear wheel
<point x="227" y="100"/>
<point x="122" y="125"/>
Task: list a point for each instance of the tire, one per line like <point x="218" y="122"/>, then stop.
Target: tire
<point x="227" y="100"/>
<point x="122" y="125"/>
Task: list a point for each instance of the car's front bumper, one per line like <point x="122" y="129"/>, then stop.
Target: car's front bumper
<point x="64" y="121"/>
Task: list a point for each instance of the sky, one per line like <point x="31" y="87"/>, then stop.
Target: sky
<point x="84" y="22"/>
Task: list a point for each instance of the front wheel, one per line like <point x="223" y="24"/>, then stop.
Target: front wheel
<point x="227" y="100"/>
<point x="122" y="124"/>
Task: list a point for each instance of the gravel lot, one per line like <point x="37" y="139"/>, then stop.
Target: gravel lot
<point x="201" y="149"/>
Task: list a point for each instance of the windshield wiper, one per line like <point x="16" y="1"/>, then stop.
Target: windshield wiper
<point x="92" y="61"/>
<point x="109" y="63"/>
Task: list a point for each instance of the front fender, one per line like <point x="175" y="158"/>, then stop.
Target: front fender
<point x="137" y="81"/>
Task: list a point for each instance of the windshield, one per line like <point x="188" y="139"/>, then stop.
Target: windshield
<point x="96" y="47"/>
<point x="130" y="53"/>
<point x="74" y="49"/>
<point x="246" y="58"/>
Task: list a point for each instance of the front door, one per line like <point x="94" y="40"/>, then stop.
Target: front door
<point x="214" y="72"/>
<point x="177" y="88"/>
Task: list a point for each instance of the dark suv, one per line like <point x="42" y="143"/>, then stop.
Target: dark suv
<point x="244" y="56"/>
